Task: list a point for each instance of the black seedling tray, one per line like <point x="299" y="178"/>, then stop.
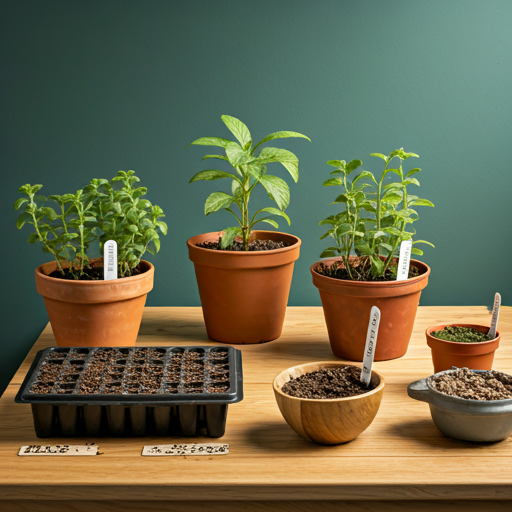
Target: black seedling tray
<point x="132" y="391"/>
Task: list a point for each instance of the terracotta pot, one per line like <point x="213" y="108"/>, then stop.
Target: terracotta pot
<point x="347" y="306"/>
<point x="475" y="356"/>
<point x="95" y="313"/>
<point x="244" y="294"/>
<point x="332" y="421"/>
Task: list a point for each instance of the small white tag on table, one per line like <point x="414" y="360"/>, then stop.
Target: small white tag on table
<point x="371" y="342"/>
<point x="495" y="316"/>
<point x="402" y="271"/>
<point x="186" y="449"/>
<point x="58" y="449"/>
<point x="110" y="260"/>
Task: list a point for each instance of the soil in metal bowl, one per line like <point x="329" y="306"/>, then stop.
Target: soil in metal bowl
<point x="460" y="334"/>
<point x="465" y="383"/>
<point x="327" y="383"/>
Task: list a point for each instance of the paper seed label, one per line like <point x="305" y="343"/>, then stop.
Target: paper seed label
<point x="110" y="260"/>
<point x="58" y="449"/>
<point x="402" y="271"/>
<point x="186" y="449"/>
<point x="495" y="316"/>
<point x="371" y="342"/>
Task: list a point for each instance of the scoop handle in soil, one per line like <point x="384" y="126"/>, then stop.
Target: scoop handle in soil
<point x="371" y="342"/>
<point x="110" y="260"/>
<point x="402" y="271"/>
<point x="495" y="316"/>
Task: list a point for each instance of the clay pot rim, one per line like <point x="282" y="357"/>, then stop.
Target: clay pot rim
<point x="131" y="279"/>
<point x="467" y="401"/>
<point x="432" y="328"/>
<point x="328" y="400"/>
<point x="369" y="284"/>
<point x="243" y="254"/>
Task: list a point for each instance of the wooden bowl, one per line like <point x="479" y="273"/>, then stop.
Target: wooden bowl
<point x="332" y="421"/>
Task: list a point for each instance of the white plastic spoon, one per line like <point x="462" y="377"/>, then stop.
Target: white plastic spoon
<point x="371" y="342"/>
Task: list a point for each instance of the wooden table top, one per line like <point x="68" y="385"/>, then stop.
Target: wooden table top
<point x="402" y="455"/>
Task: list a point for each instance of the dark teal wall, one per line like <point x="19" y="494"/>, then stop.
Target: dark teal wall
<point x="91" y="87"/>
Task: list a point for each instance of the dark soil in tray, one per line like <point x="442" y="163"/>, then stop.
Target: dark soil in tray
<point x="327" y="383"/>
<point x="254" y="245"/>
<point x="465" y="383"/>
<point x="91" y="274"/>
<point x="337" y="271"/>
<point x="138" y="371"/>
<point x="460" y="334"/>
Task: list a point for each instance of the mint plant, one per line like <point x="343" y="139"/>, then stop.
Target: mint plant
<point x="372" y="224"/>
<point x="99" y="212"/>
<point x="250" y="166"/>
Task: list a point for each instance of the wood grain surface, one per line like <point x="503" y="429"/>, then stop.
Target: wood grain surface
<point x="401" y="456"/>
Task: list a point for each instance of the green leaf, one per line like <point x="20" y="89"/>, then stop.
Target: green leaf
<point x="332" y="182"/>
<point x="392" y="198"/>
<point x="235" y="188"/>
<point x="19" y="202"/>
<point x="378" y="234"/>
<point x="163" y="226"/>
<point x="412" y="171"/>
<point x="229" y="236"/>
<point x="353" y="165"/>
<point x="330" y="220"/>
<point x="343" y="229"/>
<point x="32" y="238"/>
<point x="421" y="202"/>
<point x="325" y="235"/>
<point x="156" y="243"/>
<point x="210" y="141"/>
<point x="219" y="157"/>
<point x="342" y="198"/>
<point x="277" y="189"/>
<point x="417" y="251"/>
<point x="133" y="228"/>
<point x="377" y="264"/>
<point x="386" y="246"/>
<point x="380" y="155"/>
<point x="216" y="201"/>
<point x="391" y="230"/>
<point x="23" y="219"/>
<point x="211" y="175"/>
<point x="236" y="155"/>
<point x="283" y="156"/>
<point x="396" y="171"/>
<point x="274" y="211"/>
<point x="411" y="181"/>
<point x="364" y="174"/>
<point x="238" y="129"/>
<point x="336" y="163"/>
<point x="391" y="186"/>
<point x="423" y="242"/>
<point x="327" y="254"/>
<point x="256" y="171"/>
<point x="279" y="135"/>
<point x="269" y="221"/>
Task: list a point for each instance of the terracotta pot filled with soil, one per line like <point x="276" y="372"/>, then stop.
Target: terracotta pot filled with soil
<point x="95" y="313"/>
<point x="347" y="305"/>
<point x="326" y="403"/>
<point x="471" y="405"/>
<point x="244" y="294"/>
<point x="461" y="345"/>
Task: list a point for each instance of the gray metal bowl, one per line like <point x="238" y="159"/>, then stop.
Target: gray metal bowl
<point x="460" y="418"/>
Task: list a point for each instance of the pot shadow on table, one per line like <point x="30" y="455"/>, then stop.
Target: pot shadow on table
<point x="187" y="329"/>
<point x="305" y="351"/>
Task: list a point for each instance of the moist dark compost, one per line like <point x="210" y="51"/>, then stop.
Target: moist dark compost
<point x="460" y="334"/>
<point x="254" y="245"/>
<point x="360" y="272"/>
<point x="90" y="274"/>
<point x="327" y="383"/>
<point x="465" y="383"/>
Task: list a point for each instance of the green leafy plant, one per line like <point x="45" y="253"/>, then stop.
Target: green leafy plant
<point x="250" y="165"/>
<point x="99" y="212"/>
<point x="373" y="223"/>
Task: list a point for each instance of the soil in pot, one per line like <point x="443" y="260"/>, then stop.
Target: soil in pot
<point x="328" y="383"/>
<point x="465" y="383"/>
<point x="337" y="270"/>
<point x="254" y="245"/>
<point x="94" y="273"/>
<point x="460" y="334"/>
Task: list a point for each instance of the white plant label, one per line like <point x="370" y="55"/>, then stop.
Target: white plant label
<point x="110" y="260"/>
<point x="58" y="450"/>
<point x="371" y="342"/>
<point x="402" y="271"/>
<point x="495" y="316"/>
<point x="185" y="449"/>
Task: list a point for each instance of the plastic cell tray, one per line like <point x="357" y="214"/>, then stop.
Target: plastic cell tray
<point x="132" y="391"/>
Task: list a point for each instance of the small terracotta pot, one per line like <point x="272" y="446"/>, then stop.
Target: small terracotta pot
<point x="475" y="356"/>
<point x="347" y="306"/>
<point x="330" y="421"/>
<point x="244" y="294"/>
<point x="95" y="313"/>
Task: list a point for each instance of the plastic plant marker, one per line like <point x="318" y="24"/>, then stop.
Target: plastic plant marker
<point x="185" y="449"/>
<point x="402" y="271"/>
<point x="371" y="342"/>
<point x="110" y="260"/>
<point x="59" y="449"/>
<point x="495" y="316"/>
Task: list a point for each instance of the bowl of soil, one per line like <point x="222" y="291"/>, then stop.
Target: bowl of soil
<point x="461" y="345"/>
<point x="326" y="403"/>
<point x="471" y="405"/>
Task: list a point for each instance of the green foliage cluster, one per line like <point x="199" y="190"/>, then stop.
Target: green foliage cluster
<point x="251" y="169"/>
<point x="103" y="210"/>
<point x="375" y="216"/>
